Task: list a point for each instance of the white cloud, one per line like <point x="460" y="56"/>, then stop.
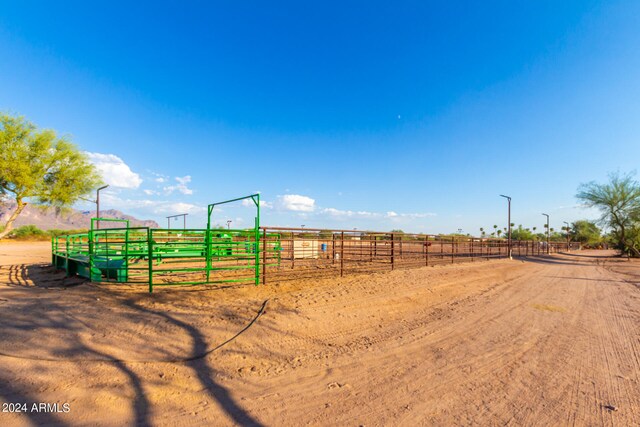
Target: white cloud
<point x="338" y="213"/>
<point x="184" y="180"/>
<point x="160" y="180"/>
<point x="395" y="215"/>
<point x="153" y="207"/>
<point x="296" y="202"/>
<point x="349" y="214"/>
<point x="576" y="206"/>
<point x="181" y="186"/>
<point x="114" y="170"/>
<point x="250" y="204"/>
<point x="150" y="192"/>
<point x="178" y="208"/>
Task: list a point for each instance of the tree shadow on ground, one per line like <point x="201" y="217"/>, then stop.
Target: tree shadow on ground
<point x="29" y="316"/>
<point x="205" y="373"/>
<point x="585" y="278"/>
<point x="29" y="311"/>
<point x="11" y="394"/>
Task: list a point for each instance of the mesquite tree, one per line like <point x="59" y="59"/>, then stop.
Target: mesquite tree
<point x="38" y="165"/>
<point x="619" y="203"/>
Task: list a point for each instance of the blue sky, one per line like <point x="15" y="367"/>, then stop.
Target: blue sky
<point x="368" y="115"/>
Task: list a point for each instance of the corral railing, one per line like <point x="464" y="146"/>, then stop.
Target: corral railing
<point x="166" y="257"/>
<point x="162" y="257"/>
<point x="320" y="252"/>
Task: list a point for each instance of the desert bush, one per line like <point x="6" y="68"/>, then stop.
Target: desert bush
<point x="29" y="232"/>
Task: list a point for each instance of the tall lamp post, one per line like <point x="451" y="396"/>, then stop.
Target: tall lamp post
<point x="548" y="235"/>
<point x="509" y="218"/>
<point x="184" y="220"/>
<point x="568" y="237"/>
<point x="98" y="204"/>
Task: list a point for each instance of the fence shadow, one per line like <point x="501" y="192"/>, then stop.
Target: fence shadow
<point x="546" y="259"/>
<point x="575" y="254"/>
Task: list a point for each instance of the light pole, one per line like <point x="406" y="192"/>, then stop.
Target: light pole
<point x="184" y="220"/>
<point x="568" y="237"/>
<point x="98" y="204"/>
<point x="548" y="236"/>
<point x="509" y="218"/>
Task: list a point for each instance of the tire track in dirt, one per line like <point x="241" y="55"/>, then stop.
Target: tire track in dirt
<point x="619" y="346"/>
<point x="530" y="340"/>
<point x="542" y="341"/>
<point x="360" y="336"/>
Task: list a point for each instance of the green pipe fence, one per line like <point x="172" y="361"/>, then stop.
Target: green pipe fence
<point x="162" y="257"/>
<point x="169" y="257"/>
<point x="165" y="257"/>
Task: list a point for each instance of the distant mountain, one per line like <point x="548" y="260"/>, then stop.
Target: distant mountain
<point x="45" y="218"/>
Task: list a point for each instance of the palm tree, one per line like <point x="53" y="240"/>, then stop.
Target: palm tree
<point x="499" y="232"/>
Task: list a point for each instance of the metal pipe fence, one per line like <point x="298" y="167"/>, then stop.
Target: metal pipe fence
<point x="307" y="253"/>
<point x="166" y="257"/>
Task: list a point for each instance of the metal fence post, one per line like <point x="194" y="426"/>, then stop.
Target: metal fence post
<point x="341" y="253"/>
<point x="371" y="248"/>
<point x="207" y="252"/>
<point x="392" y="251"/>
<point x="293" y="255"/>
<point x="333" y="247"/>
<point x="471" y="249"/>
<point x="426" y="251"/>
<point x="264" y="256"/>
<point x="453" y="242"/>
<point x="66" y="261"/>
<point x="150" y="250"/>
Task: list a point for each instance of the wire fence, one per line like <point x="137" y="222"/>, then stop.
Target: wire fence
<point x="306" y="253"/>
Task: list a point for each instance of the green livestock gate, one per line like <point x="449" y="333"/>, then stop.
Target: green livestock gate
<point x="167" y="257"/>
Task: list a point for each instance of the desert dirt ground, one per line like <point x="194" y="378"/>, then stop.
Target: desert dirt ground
<point x="533" y="341"/>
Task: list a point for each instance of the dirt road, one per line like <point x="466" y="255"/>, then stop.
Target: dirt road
<point x="537" y="341"/>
